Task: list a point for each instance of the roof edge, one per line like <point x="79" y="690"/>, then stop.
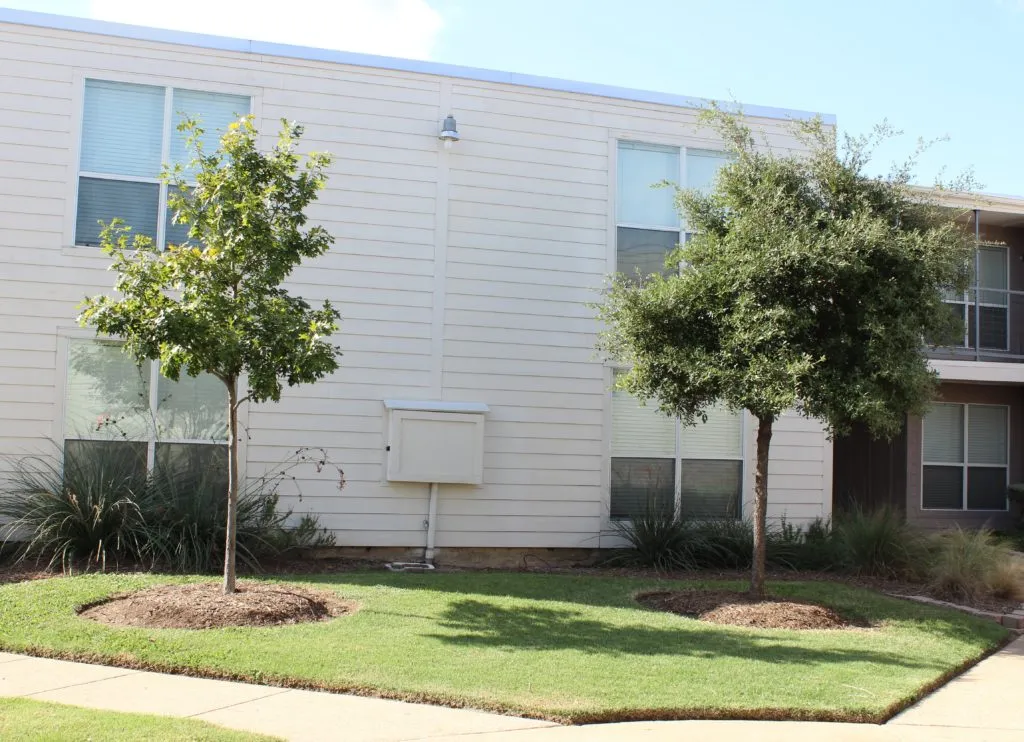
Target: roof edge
<point x="226" y="43"/>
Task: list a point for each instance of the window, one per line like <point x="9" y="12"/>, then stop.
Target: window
<point x="658" y="463"/>
<point x="989" y="297"/>
<point x="965" y="452"/>
<point x="127" y="132"/>
<point x="112" y="404"/>
<point x="649" y="227"/>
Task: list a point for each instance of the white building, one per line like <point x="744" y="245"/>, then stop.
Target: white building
<point x="462" y="275"/>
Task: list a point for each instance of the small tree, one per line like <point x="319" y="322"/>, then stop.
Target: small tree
<point x="808" y="285"/>
<point x="215" y="304"/>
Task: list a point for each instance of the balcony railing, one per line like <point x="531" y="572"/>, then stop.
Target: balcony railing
<point x="993" y="322"/>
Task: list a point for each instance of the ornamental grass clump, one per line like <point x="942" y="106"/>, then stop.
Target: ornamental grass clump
<point x="969" y="564"/>
<point x="79" y="508"/>
<point x="95" y="507"/>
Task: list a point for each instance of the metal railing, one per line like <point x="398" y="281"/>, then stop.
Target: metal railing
<point x="990" y="333"/>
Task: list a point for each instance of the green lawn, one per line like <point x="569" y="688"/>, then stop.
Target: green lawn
<point x="569" y="648"/>
<point x="36" y="721"/>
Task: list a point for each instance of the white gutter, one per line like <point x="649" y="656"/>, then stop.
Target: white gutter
<point x="225" y="43"/>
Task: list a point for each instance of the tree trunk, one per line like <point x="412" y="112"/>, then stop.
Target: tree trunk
<point x="231" y="536"/>
<point x="764" y="439"/>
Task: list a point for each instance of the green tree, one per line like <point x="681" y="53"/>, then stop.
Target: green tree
<point x="215" y="304"/>
<point x="807" y="285"/>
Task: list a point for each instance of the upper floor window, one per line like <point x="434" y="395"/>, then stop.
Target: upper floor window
<point x="648" y="225"/>
<point x="128" y="131"/>
<point x="657" y="463"/>
<point x="989" y="298"/>
<point x="965" y="457"/>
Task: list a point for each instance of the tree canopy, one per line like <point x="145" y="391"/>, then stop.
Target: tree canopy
<point x="806" y="285"/>
<point x="216" y="303"/>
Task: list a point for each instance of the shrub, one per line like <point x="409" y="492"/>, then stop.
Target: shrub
<point x="720" y="543"/>
<point x="186" y="522"/>
<point x="880" y="543"/>
<point x="656" y="537"/>
<point x="82" y="506"/>
<point x="660" y="539"/>
<point x="95" y="504"/>
<point x="969" y="564"/>
<point x="1007" y="580"/>
<point x="812" y="548"/>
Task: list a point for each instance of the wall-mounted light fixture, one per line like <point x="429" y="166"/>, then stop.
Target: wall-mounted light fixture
<point x="449" y="132"/>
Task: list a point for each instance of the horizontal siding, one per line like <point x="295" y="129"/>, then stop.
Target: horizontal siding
<point x="799" y="469"/>
<point x="525" y="198"/>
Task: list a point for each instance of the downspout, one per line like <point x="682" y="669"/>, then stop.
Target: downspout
<point x="428" y="552"/>
<point x="977" y="297"/>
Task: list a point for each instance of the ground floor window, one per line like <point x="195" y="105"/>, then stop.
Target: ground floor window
<point x="114" y="408"/>
<point x="965" y="457"/>
<point x="657" y="463"/>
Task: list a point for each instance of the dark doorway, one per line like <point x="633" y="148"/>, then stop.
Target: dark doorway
<point x="869" y="472"/>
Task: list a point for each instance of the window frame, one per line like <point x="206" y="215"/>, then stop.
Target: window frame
<point x="682" y="149"/>
<point x="682" y="144"/>
<point x="169" y="84"/>
<point x="677" y="457"/>
<point x="67" y="335"/>
<point x="965" y="303"/>
<point x="966" y="465"/>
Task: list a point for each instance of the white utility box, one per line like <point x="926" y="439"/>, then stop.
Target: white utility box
<point x="436" y="442"/>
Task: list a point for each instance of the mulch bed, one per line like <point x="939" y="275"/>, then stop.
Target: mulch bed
<point x="24" y="574"/>
<point x="740" y="609"/>
<point x="204" y="606"/>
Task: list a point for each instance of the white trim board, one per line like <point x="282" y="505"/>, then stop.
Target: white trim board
<point x="993" y="372"/>
<point x="224" y="43"/>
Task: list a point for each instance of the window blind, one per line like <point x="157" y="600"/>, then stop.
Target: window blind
<point x="992" y="274"/>
<point x="639" y="167"/>
<point x="986" y="434"/>
<point x="214" y="113"/>
<point x="944" y="434"/>
<point x="641" y="252"/>
<point x="195" y="465"/>
<point x="102" y="200"/>
<point x="702" y="168"/>
<point x="711" y="489"/>
<point x="642" y="486"/>
<point x="122" y="129"/>
<point x="175" y="234"/>
<point x="192" y="408"/>
<point x="986" y="488"/>
<point x="640" y="431"/>
<point x="943" y="488"/>
<point x="107" y="395"/>
<point x="718" y="438"/>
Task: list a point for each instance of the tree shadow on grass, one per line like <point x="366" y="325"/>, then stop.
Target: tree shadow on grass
<point x="476" y="623"/>
<point x="617" y="592"/>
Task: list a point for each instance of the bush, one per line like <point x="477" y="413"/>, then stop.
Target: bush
<point x="1006" y="580"/>
<point x="84" y="507"/>
<point x="722" y="543"/>
<point x="656" y="537"/>
<point x="879" y="543"/>
<point x="93" y="505"/>
<point x="659" y="539"/>
<point x="970" y="564"/>
<point x="813" y="548"/>
<point x="186" y="523"/>
<point x="958" y="564"/>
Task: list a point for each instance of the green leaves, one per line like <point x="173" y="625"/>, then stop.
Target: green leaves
<point x="807" y="285"/>
<point x="215" y="303"/>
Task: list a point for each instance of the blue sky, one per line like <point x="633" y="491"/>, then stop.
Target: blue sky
<point x="933" y="68"/>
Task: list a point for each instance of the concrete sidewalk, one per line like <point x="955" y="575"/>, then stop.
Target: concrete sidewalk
<point x="983" y="705"/>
